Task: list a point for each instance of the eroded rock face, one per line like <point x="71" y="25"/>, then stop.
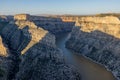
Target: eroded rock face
<point x="102" y="20"/>
<point x="53" y="25"/>
<point x="43" y="62"/>
<point x="34" y="18"/>
<point x="3" y="53"/>
<point x="33" y="54"/>
<point x="9" y="62"/>
<point x="69" y="18"/>
<point x="3" y="50"/>
<point x="22" y="17"/>
<point x="35" y="33"/>
<point x="111" y="29"/>
<point x="98" y="41"/>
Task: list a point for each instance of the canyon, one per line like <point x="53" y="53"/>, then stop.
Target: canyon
<point x="98" y="39"/>
<point x="28" y="48"/>
<point x="32" y="54"/>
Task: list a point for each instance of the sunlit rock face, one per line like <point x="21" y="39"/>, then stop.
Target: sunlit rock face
<point x="23" y="35"/>
<point x="34" y="18"/>
<point x="99" y="40"/>
<point x="35" y="33"/>
<point x="22" y="17"/>
<point x="102" y="20"/>
<point x="53" y="25"/>
<point x="3" y="50"/>
<point x="109" y="25"/>
<point x="69" y="18"/>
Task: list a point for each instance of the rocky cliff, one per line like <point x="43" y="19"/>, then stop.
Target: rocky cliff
<point x="35" y="18"/>
<point x="69" y="18"/>
<point x="102" y="20"/>
<point x="53" y="25"/>
<point x="3" y="50"/>
<point x="99" y="39"/>
<point x="33" y="54"/>
<point x="43" y="62"/>
<point x="3" y="53"/>
<point x="22" y="17"/>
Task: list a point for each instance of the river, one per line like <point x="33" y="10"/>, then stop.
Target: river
<point x="89" y="70"/>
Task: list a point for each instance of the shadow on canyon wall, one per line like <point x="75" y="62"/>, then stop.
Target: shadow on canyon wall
<point x="41" y="59"/>
<point x="95" y="40"/>
<point x="55" y="27"/>
<point x="98" y="46"/>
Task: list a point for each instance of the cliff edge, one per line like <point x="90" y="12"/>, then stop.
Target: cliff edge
<point x="99" y="39"/>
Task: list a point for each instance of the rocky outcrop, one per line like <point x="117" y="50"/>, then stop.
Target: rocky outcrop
<point x="34" y="18"/>
<point x="99" y="40"/>
<point x="111" y="29"/>
<point x="22" y="17"/>
<point x="53" y="25"/>
<point x="33" y="54"/>
<point x="102" y="20"/>
<point x="36" y="34"/>
<point x="69" y="18"/>
<point x="3" y="50"/>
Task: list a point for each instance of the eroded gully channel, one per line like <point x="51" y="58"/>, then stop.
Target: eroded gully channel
<point x="89" y="70"/>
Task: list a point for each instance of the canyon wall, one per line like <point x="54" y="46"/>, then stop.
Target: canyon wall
<point x="51" y="24"/>
<point x="4" y="53"/>
<point x="55" y="27"/>
<point x="3" y="49"/>
<point x="22" y="17"/>
<point x="69" y="18"/>
<point x="32" y="54"/>
<point x="98" y="38"/>
<point x="102" y="20"/>
<point x="35" y="18"/>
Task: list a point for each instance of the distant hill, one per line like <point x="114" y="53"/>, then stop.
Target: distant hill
<point x="108" y="14"/>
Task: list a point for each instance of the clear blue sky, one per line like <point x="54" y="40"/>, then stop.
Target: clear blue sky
<point x="59" y="6"/>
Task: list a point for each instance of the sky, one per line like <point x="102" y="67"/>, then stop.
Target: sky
<point x="77" y="7"/>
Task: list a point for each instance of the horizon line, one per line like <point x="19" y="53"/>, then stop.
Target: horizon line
<point x="65" y="14"/>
